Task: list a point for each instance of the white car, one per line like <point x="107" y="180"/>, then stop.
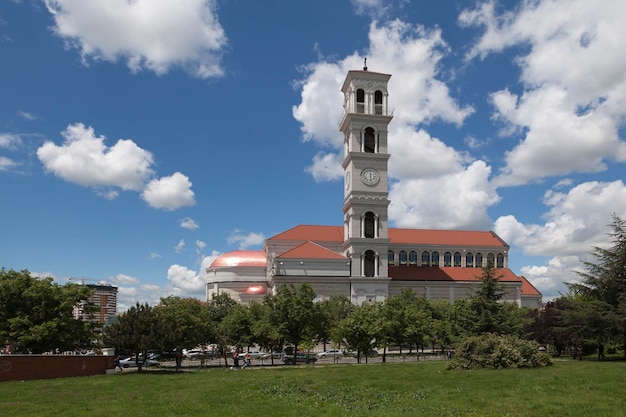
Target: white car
<point x="130" y="363"/>
<point x="331" y="353"/>
<point x="254" y="354"/>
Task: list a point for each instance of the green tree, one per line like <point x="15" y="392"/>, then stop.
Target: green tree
<point x="215" y="332"/>
<point x="293" y="313"/>
<point x="604" y="283"/>
<point x="485" y="313"/>
<point x="181" y="322"/>
<point x="362" y="329"/>
<point x="329" y="313"/>
<point x="136" y="331"/>
<point x="36" y="315"/>
<point x="264" y="332"/>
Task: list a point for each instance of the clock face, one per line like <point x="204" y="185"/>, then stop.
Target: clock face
<point x="370" y="176"/>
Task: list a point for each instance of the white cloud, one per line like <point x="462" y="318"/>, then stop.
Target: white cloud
<point x="200" y="245"/>
<point x="573" y="105"/>
<point x="179" y="246"/>
<point x="148" y="34"/>
<point x="246" y="240"/>
<point x="6" y="163"/>
<point x="412" y="55"/>
<point x="27" y="116"/>
<point x="169" y="193"/>
<point x="10" y="141"/>
<point x="577" y="221"/>
<point x="189" y="224"/>
<point x="454" y="201"/>
<point x="84" y="159"/>
<point x="185" y="280"/>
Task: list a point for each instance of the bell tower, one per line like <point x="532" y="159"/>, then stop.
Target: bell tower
<point x="366" y="192"/>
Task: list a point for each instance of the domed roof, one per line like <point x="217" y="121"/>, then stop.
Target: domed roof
<point x="240" y="258"/>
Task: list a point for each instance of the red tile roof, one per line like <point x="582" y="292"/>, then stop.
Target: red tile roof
<point x="435" y="273"/>
<point x="528" y="288"/>
<point x="397" y="236"/>
<point x="310" y="250"/>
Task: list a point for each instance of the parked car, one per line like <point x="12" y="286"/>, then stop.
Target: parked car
<point x="300" y="358"/>
<point x="196" y="354"/>
<point x="331" y="353"/>
<point x="130" y="363"/>
<point x="275" y="355"/>
<point x="254" y="354"/>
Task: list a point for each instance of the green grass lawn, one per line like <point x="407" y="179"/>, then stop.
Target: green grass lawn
<point x="569" y="388"/>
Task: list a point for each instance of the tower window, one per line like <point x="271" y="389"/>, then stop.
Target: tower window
<point x="479" y="260"/>
<point x="369" y="141"/>
<point x="369" y="225"/>
<point x="447" y="259"/>
<point x="360" y="100"/>
<point x="390" y="257"/>
<point x="469" y="260"/>
<point x="369" y="263"/>
<point x="425" y="258"/>
<point x="413" y="257"/>
<point x="378" y="102"/>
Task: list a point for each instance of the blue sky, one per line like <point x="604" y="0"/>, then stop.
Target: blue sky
<point x="141" y="139"/>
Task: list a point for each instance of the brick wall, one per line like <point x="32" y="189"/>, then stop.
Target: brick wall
<point x="24" y="367"/>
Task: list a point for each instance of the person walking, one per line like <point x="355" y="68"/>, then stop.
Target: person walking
<point x="236" y="359"/>
<point x="118" y="363"/>
<point x="246" y="361"/>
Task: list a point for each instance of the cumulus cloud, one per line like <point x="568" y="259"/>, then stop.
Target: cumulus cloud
<point x="84" y="159"/>
<point x="180" y="246"/>
<point x="245" y="240"/>
<point x="571" y="111"/>
<point x="189" y="224"/>
<point x="169" y="193"/>
<point x="186" y="280"/>
<point x="576" y="221"/>
<point x="157" y="35"/>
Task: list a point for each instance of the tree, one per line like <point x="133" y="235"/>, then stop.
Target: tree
<point x="361" y="329"/>
<point x="137" y="331"/>
<point x="36" y="315"/>
<point x="293" y="313"/>
<point x="215" y="331"/>
<point x="263" y="330"/>
<point x="182" y="323"/>
<point x="329" y="314"/>
<point x="604" y="283"/>
<point x="484" y="313"/>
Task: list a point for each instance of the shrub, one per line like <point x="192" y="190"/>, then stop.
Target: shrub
<point x="498" y="352"/>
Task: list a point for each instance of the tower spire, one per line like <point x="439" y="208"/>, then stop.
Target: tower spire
<point x="365" y="64"/>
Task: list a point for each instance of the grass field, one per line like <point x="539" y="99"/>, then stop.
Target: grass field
<point x="569" y="388"/>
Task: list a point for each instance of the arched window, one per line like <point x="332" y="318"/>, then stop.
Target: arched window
<point x="457" y="259"/>
<point x="360" y="100"/>
<point x="435" y="260"/>
<point x="391" y="258"/>
<point x="369" y="225"/>
<point x="469" y="260"/>
<point x="490" y="260"/>
<point x="369" y="141"/>
<point x="447" y="259"/>
<point x="479" y="260"/>
<point x="378" y="102"/>
<point x="402" y="257"/>
<point x="425" y="258"/>
<point x="413" y="257"/>
<point x="500" y="261"/>
<point x="369" y="263"/>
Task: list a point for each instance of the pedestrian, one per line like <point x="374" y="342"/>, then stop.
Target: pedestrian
<point x="118" y="363"/>
<point x="179" y="359"/>
<point x="246" y="361"/>
<point x="235" y="359"/>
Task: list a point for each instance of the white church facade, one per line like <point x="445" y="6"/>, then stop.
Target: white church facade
<point x="364" y="259"/>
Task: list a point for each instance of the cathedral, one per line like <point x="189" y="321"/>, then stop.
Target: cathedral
<point x="365" y="259"/>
